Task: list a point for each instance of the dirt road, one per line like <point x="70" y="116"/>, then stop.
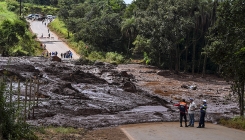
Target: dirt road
<point x="172" y="131"/>
<point x="52" y="43"/>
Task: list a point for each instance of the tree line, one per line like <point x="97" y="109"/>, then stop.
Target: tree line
<point x="167" y="33"/>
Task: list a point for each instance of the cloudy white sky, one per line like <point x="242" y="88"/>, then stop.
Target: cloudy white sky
<point x="128" y="1"/>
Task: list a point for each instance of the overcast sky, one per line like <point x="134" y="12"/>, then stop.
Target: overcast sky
<point x="128" y="1"/>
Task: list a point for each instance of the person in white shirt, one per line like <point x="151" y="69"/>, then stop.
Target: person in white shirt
<point x="191" y="110"/>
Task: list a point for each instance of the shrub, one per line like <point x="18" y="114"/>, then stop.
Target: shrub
<point x="94" y="55"/>
<point x="236" y="122"/>
<point x="114" y="57"/>
<point x="147" y="60"/>
<point x="12" y="5"/>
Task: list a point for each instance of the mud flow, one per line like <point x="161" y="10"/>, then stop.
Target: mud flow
<point x="99" y="95"/>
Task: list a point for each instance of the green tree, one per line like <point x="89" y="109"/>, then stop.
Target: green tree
<point x="227" y="45"/>
<point x="128" y="28"/>
<point x="172" y="27"/>
<point x="9" y="33"/>
<point x="97" y="23"/>
<point x="64" y="12"/>
<point x="165" y="24"/>
<point x="14" y="35"/>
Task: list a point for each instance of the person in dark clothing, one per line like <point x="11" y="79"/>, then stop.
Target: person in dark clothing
<point x="71" y="55"/>
<point x="183" y="110"/>
<point x="203" y="109"/>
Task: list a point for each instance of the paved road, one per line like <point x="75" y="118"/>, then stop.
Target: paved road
<point x="53" y="43"/>
<point x="172" y="131"/>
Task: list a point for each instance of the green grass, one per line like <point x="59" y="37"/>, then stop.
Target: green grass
<point x="64" y="133"/>
<point x="236" y="122"/>
<point x="59" y="27"/>
<point x="110" y="57"/>
<point x="5" y="14"/>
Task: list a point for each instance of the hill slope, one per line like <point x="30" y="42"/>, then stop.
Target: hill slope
<point x="5" y="14"/>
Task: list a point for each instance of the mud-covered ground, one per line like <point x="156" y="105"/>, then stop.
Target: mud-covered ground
<point x="102" y="95"/>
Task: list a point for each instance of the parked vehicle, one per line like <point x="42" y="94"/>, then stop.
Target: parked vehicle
<point x="30" y="16"/>
<point x="49" y="17"/>
<point x="36" y="16"/>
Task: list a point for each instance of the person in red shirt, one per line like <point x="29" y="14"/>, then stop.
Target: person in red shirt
<point x="183" y="110"/>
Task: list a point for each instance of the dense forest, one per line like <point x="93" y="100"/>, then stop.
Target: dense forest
<point x="170" y="34"/>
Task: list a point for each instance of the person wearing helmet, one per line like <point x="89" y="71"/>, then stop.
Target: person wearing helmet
<point x="191" y="110"/>
<point x="183" y="109"/>
<point x="203" y="109"/>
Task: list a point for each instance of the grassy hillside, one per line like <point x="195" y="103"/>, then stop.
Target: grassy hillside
<point x="31" y="47"/>
<point x="5" y="14"/>
<point x="59" y="27"/>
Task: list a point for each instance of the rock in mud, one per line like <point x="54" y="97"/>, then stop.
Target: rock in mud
<point x="56" y="58"/>
<point x="129" y="87"/>
<point x="164" y="73"/>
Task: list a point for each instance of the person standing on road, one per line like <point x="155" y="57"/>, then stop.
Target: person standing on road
<point x="203" y="109"/>
<point x="71" y="55"/>
<point x="183" y="109"/>
<point x="191" y="110"/>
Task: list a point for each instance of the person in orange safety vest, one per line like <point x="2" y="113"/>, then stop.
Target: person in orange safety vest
<point x="183" y="110"/>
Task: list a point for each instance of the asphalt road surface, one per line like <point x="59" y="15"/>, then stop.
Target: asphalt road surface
<point x="53" y="43"/>
<point x="172" y="131"/>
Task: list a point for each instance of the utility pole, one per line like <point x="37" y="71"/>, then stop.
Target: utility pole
<point x="20" y="7"/>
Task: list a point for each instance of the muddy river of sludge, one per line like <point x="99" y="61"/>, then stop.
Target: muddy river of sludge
<point x="74" y="94"/>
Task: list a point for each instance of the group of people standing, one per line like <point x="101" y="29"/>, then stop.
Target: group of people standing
<point x="67" y="54"/>
<point x="46" y="21"/>
<point x="184" y="109"/>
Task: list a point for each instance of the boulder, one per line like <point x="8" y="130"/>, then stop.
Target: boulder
<point x="164" y="73"/>
<point x="129" y="87"/>
<point x="192" y="87"/>
<point x="125" y="74"/>
<point x="55" y="58"/>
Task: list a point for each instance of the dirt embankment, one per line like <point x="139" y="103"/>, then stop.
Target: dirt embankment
<point x="102" y="95"/>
